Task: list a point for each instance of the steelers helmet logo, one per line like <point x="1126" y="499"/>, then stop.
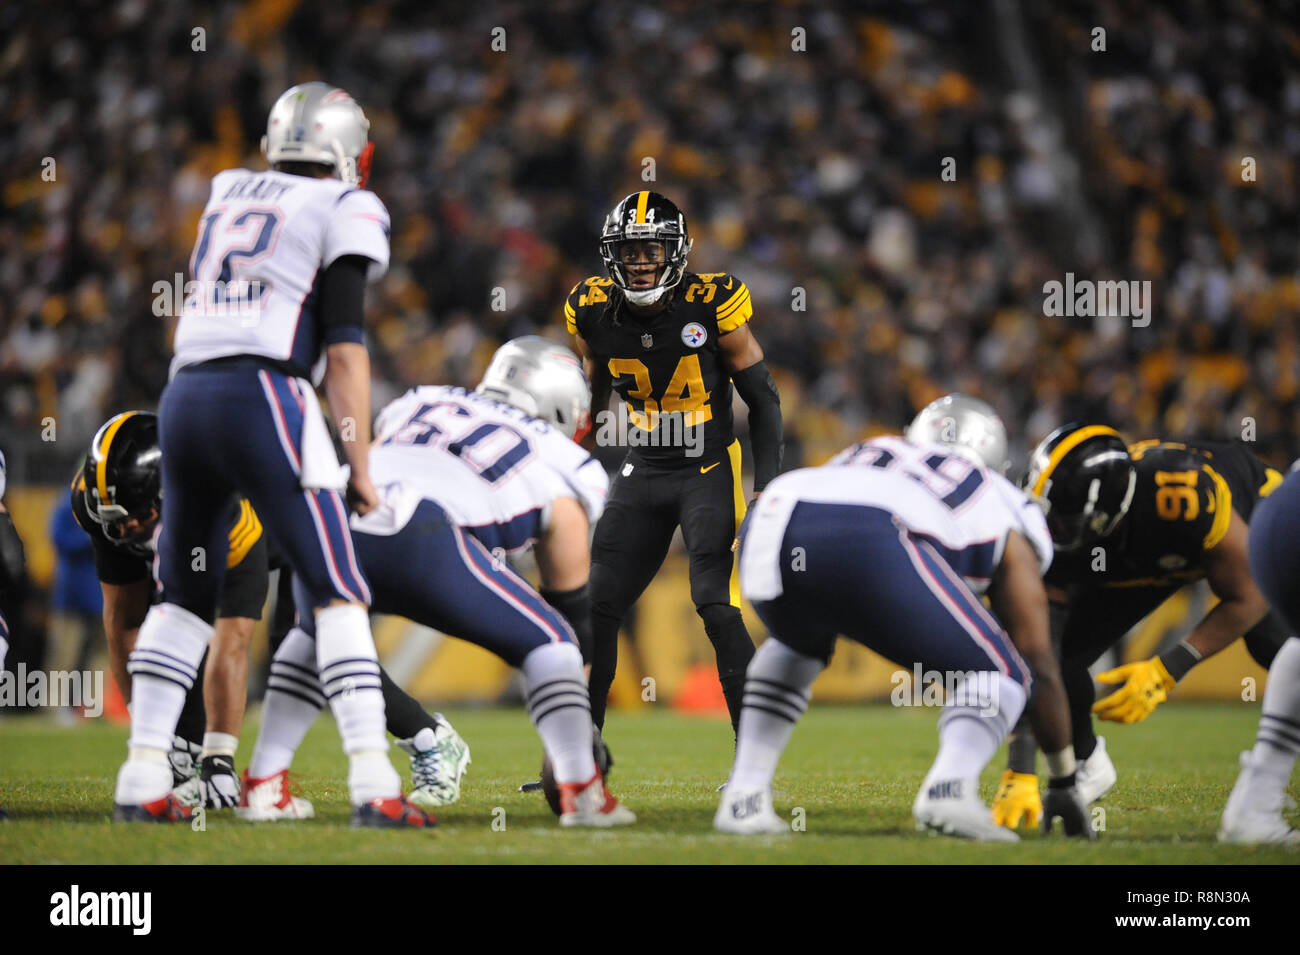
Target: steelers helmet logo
<point x="693" y="335"/>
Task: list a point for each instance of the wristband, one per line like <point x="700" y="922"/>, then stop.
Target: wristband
<point x="1180" y="660"/>
<point x="1061" y="764"/>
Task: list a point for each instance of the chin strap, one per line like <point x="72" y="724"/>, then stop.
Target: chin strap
<point x="645" y="296"/>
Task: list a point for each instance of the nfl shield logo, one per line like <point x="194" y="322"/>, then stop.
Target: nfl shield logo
<point x="647" y="340"/>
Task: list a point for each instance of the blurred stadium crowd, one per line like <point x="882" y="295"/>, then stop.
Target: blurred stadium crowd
<point x="814" y="170"/>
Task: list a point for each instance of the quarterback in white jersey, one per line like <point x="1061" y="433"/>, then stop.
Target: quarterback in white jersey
<point x="277" y="297"/>
<point x="890" y="544"/>
<point x="265" y="238"/>
<point x="465" y="478"/>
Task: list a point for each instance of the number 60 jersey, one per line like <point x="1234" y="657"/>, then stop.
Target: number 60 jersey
<point x="264" y="239"/>
<point x="494" y="469"/>
<point x="963" y="509"/>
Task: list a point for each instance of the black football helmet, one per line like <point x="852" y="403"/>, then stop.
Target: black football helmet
<point x="1084" y="478"/>
<point x="123" y="478"/>
<point x="646" y="217"/>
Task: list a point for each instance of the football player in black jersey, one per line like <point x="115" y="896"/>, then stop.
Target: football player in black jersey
<point x="117" y="499"/>
<point x="1131" y="525"/>
<point x="672" y="344"/>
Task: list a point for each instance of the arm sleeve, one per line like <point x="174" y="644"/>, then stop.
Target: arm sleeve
<point x="758" y="391"/>
<point x="575" y="607"/>
<point x="343" y="300"/>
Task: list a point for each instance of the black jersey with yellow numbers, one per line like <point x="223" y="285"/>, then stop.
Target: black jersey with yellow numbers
<point x="119" y="563"/>
<point x="667" y="367"/>
<point x="1183" y="500"/>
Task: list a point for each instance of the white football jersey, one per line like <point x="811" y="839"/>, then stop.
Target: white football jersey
<point x="263" y="241"/>
<point x="964" y="508"/>
<point x="494" y="469"/>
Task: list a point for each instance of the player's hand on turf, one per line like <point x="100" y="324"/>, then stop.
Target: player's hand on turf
<point x="218" y="785"/>
<point x="362" y="496"/>
<point x="1146" y="685"/>
<point x="1017" y="801"/>
<point x="1064" y="802"/>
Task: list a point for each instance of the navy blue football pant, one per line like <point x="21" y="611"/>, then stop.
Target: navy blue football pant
<point x="1275" y="550"/>
<point x="861" y="574"/>
<point x="234" y="426"/>
<point x="438" y="575"/>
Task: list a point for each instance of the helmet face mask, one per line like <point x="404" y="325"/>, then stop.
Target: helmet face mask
<point x="645" y="229"/>
<point x="1084" y="480"/>
<point x="123" y="479"/>
<point x="318" y="123"/>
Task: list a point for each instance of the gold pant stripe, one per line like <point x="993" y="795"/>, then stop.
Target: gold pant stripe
<point x="738" y="498"/>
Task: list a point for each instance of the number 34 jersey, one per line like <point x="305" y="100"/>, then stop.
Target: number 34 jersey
<point x="264" y="238"/>
<point x="492" y="468"/>
<point x="667" y="367"/>
<point x="963" y="509"/>
<point x="1183" y="499"/>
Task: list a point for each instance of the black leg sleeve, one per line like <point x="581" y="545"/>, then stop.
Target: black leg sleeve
<point x="734" y="648"/>
<point x="193" y="721"/>
<point x="405" y="716"/>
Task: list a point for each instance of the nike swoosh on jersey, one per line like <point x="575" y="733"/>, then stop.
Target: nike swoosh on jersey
<point x="710" y="467"/>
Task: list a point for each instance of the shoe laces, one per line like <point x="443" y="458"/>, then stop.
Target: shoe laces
<point x="431" y="768"/>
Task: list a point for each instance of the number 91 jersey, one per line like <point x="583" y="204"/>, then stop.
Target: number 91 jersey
<point x="492" y="468"/>
<point x="963" y="509"/>
<point x="667" y="367"/>
<point x="264" y="239"/>
<point x="1183" y="499"/>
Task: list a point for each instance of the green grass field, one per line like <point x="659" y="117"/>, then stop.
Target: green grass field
<point x="853" y="770"/>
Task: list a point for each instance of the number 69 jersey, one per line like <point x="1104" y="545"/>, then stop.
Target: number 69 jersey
<point x="963" y="509"/>
<point x="494" y="469"/>
<point x="264" y="239"/>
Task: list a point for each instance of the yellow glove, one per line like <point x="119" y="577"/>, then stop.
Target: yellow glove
<point x="1146" y="685"/>
<point x="1017" y="801"/>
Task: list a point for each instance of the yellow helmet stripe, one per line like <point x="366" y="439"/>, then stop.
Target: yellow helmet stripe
<point x="1068" y="444"/>
<point x="642" y="198"/>
<point x="101" y="467"/>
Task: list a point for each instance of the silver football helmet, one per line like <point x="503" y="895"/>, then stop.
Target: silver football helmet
<point x="969" y="425"/>
<point x="542" y="379"/>
<point x="316" y="122"/>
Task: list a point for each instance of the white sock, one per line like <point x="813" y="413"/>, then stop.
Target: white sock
<point x="219" y="744"/>
<point x="349" y="675"/>
<point x="560" y="708"/>
<point x="984" y="708"/>
<point x="369" y="777"/>
<point x="1278" y="741"/>
<point x="144" y="777"/>
<point x="163" y="667"/>
<point x="293" y="700"/>
<point x="777" y="690"/>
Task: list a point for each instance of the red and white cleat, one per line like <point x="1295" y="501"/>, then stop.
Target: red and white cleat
<point x="166" y="809"/>
<point x="392" y="813"/>
<point x="269" y="800"/>
<point x="591" y="804"/>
